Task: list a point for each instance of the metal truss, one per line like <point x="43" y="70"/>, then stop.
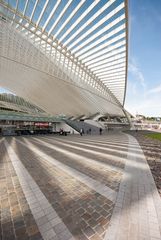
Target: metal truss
<point x="81" y="43"/>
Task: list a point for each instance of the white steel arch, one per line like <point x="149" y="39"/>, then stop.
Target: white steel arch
<point x="75" y="62"/>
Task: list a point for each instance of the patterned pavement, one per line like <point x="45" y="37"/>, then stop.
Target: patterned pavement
<point x="152" y="151"/>
<point x="64" y="188"/>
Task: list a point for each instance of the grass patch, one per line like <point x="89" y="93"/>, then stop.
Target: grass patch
<point x="154" y="135"/>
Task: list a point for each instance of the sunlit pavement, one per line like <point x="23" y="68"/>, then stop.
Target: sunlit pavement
<point x="73" y="187"/>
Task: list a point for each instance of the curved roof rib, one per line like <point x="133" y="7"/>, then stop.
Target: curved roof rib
<point x="79" y="47"/>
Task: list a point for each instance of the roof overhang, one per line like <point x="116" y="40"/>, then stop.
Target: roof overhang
<point x="74" y="54"/>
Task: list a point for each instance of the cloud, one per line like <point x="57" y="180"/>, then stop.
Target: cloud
<point x="135" y="70"/>
<point x="156" y="89"/>
<point x="140" y="98"/>
<point x="148" y="105"/>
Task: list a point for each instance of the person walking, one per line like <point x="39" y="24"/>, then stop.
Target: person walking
<point x="100" y="131"/>
<point x="81" y="131"/>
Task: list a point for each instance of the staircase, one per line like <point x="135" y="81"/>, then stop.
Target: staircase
<point x="78" y="125"/>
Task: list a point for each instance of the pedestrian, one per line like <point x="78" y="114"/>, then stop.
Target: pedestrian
<point x="81" y="131"/>
<point x="100" y="131"/>
<point x="90" y="131"/>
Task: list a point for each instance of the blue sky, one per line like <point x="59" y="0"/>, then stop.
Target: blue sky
<point x="144" y="71"/>
<point x="144" y="75"/>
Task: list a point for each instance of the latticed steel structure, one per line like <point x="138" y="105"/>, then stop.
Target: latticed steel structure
<point x="14" y="108"/>
<point x="66" y="56"/>
<point x="14" y="103"/>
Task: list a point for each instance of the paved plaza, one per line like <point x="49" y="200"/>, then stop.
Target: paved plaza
<point x="152" y="151"/>
<point x="77" y="188"/>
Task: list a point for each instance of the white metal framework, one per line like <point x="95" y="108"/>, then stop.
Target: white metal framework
<point x="10" y="102"/>
<point x="67" y="56"/>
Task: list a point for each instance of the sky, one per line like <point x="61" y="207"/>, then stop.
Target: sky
<point x="144" y="70"/>
<point x="143" y="94"/>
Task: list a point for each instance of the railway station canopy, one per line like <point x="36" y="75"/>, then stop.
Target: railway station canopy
<point x="66" y="56"/>
<point x="14" y="108"/>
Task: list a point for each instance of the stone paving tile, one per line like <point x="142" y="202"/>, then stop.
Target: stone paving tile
<point x="137" y="212"/>
<point x="98" y="154"/>
<point x="113" y="158"/>
<point x="91" y="183"/>
<point x="152" y="152"/>
<point x="110" y="146"/>
<point x="36" y="199"/>
<point x="98" y="151"/>
<point x="16" y="220"/>
<point x="109" y="178"/>
<point x="85" y="212"/>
